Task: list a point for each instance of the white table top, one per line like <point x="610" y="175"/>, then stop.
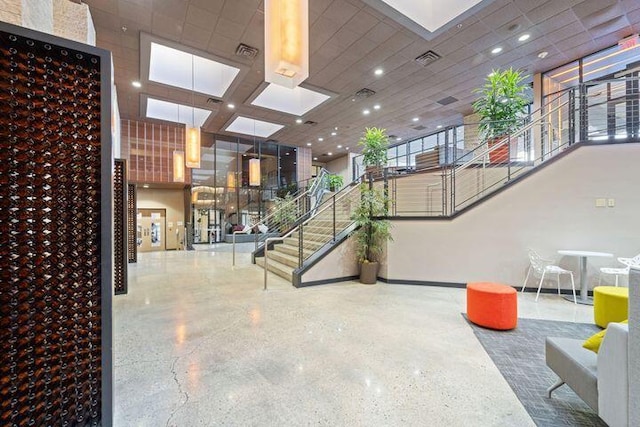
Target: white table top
<point x="584" y="253"/>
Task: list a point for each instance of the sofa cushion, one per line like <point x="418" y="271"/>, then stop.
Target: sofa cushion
<point x="594" y="341"/>
<point x="576" y="366"/>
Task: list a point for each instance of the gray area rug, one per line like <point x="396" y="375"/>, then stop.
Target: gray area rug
<point x="519" y="355"/>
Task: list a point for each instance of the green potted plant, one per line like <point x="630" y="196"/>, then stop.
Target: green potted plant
<point x="501" y="103"/>
<point x="285" y="213"/>
<point x="371" y="232"/>
<point x="335" y="182"/>
<point x="375" y="144"/>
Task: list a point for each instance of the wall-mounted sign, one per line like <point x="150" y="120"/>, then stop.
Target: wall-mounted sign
<point x="629" y="42"/>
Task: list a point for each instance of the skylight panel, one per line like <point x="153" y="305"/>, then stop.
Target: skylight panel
<point x="178" y="113"/>
<point x="253" y="127"/>
<point x="297" y="101"/>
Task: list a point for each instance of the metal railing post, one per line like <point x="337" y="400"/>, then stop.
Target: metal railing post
<point x="266" y="262"/>
<point x="301" y="244"/>
<point x="333" y="208"/>
<point x="234" y="248"/>
<point x="509" y="159"/>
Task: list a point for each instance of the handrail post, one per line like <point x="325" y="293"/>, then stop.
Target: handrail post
<point x="234" y="248"/>
<point x="300" y="245"/>
<point x="509" y="159"/>
<point x="334" y="216"/>
<point x="266" y="262"/>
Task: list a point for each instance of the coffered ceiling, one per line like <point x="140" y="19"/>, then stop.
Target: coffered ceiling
<point x="349" y="40"/>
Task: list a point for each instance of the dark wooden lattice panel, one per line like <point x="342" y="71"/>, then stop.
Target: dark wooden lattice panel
<point x="50" y="235"/>
<point x="120" y="226"/>
<point x="132" y="224"/>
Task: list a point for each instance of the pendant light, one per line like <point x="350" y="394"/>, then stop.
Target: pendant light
<point x="192" y="132"/>
<point x="254" y="164"/>
<point x="286" y="42"/>
<point x="178" y="166"/>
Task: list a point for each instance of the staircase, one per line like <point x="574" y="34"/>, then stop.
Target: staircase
<point x="321" y="229"/>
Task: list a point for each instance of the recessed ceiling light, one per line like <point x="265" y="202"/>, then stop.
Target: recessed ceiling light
<point x="415" y="119"/>
<point x="145" y="186"/>
<point x="329" y="153"/>
<point x="543" y="54"/>
<point x="524" y="37"/>
<point x="334" y="133"/>
<point x="231" y="106"/>
<point x="346" y="148"/>
<point x="376" y="107"/>
<point x="398" y="139"/>
<point x="378" y="72"/>
<point x="439" y="127"/>
<point x="366" y="112"/>
<point x="308" y="144"/>
<point x="136" y="83"/>
<point x="298" y="121"/>
<point x="335" y="128"/>
<point x="496" y="50"/>
<point x="315" y="158"/>
<point x="339" y="146"/>
<point x="320" y="139"/>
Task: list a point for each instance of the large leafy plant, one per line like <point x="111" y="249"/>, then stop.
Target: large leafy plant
<point x="335" y="182"/>
<point x="502" y="100"/>
<point x="372" y="232"/>
<point x="375" y="143"/>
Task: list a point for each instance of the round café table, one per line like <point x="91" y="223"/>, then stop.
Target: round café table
<point x="584" y="287"/>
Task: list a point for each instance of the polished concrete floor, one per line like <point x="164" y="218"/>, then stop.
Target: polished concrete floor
<point x="199" y="343"/>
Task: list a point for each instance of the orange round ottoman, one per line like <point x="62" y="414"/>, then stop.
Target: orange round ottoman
<point x="492" y="305"/>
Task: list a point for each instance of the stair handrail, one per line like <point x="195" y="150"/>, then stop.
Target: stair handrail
<point x="508" y="138"/>
<point x="263" y="221"/>
<point x="296" y="228"/>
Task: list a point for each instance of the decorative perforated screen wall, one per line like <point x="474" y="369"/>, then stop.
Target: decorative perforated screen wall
<point x="52" y="239"/>
<point x="132" y="224"/>
<point x="120" y="223"/>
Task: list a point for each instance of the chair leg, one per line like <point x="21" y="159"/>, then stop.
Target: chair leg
<point x="558" y="283"/>
<point x="526" y="278"/>
<point x="540" y="285"/>
<point x="554" y="387"/>
<point x="616" y="280"/>
<point x="573" y="288"/>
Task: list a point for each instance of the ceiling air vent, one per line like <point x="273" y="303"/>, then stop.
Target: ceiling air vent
<point x="246" y="51"/>
<point x="392" y="136"/>
<point x="213" y="101"/>
<point x="419" y="127"/>
<point x="448" y="100"/>
<point x="427" y="58"/>
<point x="364" y="93"/>
<point x="310" y="122"/>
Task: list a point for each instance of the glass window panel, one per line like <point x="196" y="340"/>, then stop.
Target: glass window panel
<point x="608" y="62"/>
<point x="415" y="146"/>
<point x="561" y="78"/>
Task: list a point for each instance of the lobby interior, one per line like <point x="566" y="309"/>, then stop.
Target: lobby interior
<point x="198" y="338"/>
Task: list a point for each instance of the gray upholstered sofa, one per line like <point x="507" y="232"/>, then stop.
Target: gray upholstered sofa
<point x="601" y="380"/>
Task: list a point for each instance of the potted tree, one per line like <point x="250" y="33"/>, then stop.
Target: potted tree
<point x="335" y="182"/>
<point x="372" y="232"/>
<point x="502" y="100"/>
<point x="375" y="144"/>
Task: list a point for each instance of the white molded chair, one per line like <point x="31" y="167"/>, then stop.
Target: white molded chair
<point x="543" y="266"/>
<point x="621" y="271"/>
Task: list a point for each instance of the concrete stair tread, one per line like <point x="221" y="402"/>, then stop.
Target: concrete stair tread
<point x="277" y="268"/>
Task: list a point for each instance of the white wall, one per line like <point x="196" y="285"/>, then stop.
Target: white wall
<point x="342" y="166"/>
<point x="634" y="348"/>
<point x="340" y="263"/>
<point x="552" y="209"/>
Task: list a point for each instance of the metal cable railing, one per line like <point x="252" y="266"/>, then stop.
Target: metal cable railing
<point x="288" y="211"/>
<point x="603" y="111"/>
<point x="331" y="220"/>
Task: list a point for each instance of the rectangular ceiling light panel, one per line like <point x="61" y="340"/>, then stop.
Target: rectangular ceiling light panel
<point x="178" y="113"/>
<point x="297" y="101"/>
<point x="181" y="69"/>
<point x="431" y="14"/>
<point x="253" y="127"/>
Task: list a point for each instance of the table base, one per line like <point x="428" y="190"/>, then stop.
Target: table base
<point x="588" y="301"/>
